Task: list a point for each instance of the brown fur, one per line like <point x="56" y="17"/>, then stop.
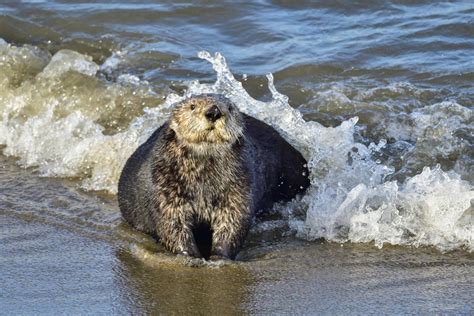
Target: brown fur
<point x="195" y="173"/>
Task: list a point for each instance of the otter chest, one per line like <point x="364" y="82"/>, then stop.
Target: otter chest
<point x="205" y="178"/>
<point x="203" y="184"/>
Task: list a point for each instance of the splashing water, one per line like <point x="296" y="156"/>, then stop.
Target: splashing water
<point x="348" y="199"/>
<point x="60" y="117"/>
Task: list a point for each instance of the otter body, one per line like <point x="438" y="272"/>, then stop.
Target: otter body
<point x="198" y="181"/>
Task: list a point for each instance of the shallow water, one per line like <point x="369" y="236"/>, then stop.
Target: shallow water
<point x="378" y="96"/>
<point x="63" y="262"/>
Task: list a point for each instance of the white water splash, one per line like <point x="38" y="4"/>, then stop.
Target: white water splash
<point x="49" y="125"/>
<point x="349" y="199"/>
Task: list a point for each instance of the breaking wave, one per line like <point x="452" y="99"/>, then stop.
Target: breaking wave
<point x="63" y="117"/>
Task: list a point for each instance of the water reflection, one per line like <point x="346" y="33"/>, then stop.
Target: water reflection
<point x="156" y="284"/>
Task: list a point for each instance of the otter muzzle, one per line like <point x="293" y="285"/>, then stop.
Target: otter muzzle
<point x="213" y="114"/>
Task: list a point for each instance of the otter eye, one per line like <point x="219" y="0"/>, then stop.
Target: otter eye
<point x="193" y="106"/>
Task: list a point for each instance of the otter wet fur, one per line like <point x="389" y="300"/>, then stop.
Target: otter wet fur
<point x="198" y="181"/>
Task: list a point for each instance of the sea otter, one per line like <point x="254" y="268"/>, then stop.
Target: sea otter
<point x="198" y="181"/>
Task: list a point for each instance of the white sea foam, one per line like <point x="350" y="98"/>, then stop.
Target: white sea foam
<point x="53" y="120"/>
<point x="68" y="60"/>
<point x="50" y="123"/>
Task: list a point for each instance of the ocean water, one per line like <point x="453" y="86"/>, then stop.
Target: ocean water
<point x="377" y="95"/>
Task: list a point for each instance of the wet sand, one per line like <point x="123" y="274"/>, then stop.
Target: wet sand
<point x="57" y="257"/>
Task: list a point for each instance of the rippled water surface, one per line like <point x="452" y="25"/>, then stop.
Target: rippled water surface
<point x="377" y="95"/>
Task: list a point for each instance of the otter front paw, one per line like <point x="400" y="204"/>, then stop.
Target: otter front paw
<point x="191" y="251"/>
<point x="185" y="248"/>
<point x="222" y="251"/>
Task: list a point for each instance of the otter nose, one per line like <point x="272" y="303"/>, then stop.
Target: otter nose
<point x="213" y="114"/>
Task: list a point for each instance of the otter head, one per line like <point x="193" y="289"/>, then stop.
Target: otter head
<point x="208" y="121"/>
